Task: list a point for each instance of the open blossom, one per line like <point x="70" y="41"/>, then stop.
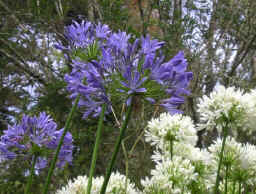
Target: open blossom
<point x="122" y="67"/>
<point x="82" y="35"/>
<point x="184" y="150"/>
<point x="251" y="100"/>
<point x="116" y="185"/>
<point x="231" y="152"/>
<point x="170" y="176"/>
<point x="239" y="157"/>
<point x="32" y="137"/>
<point x="231" y="187"/>
<point x="177" y="128"/>
<point x="225" y="104"/>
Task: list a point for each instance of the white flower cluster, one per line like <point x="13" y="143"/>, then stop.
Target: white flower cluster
<point x="232" y="188"/>
<point x="190" y="152"/>
<point x="231" y="151"/>
<point x="224" y="106"/>
<point x="170" y="176"/>
<point x="227" y="104"/>
<point x="116" y="185"/>
<point x="176" y="169"/>
<point x="240" y="159"/>
<point x="178" y="128"/>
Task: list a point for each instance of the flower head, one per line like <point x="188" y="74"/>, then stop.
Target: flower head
<point x="32" y="137"/>
<point x="231" y="151"/>
<point x="116" y="185"/>
<point x="225" y="105"/>
<point x="120" y="66"/>
<point x="177" y="128"/>
<point x="240" y="158"/>
<point x="170" y="176"/>
<point x="79" y="35"/>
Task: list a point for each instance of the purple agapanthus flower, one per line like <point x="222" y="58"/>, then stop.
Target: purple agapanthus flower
<point x="173" y="76"/>
<point x="102" y="31"/>
<point x="36" y="136"/>
<point x="149" y="46"/>
<point x="130" y="67"/>
<point x="89" y="82"/>
<point x="79" y="35"/>
<point x="83" y="35"/>
<point x="133" y="83"/>
<point x="119" y="41"/>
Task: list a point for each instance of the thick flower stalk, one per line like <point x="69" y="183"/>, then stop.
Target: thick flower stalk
<point x="95" y="150"/>
<point x="61" y="138"/>
<point x="35" y="139"/>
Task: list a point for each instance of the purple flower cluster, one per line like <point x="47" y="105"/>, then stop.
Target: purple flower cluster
<point x="83" y="35"/>
<point x="35" y="137"/>
<point x="124" y="67"/>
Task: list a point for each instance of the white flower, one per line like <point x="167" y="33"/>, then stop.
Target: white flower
<point x="230" y="187"/>
<point x="199" y="158"/>
<point x="195" y="154"/>
<point x="170" y="176"/>
<point x="116" y="185"/>
<point x="186" y="151"/>
<point x="78" y="186"/>
<point x="161" y="131"/>
<point x="232" y="151"/>
<point x="225" y="104"/>
<point x="248" y="157"/>
<point x="251" y="100"/>
<point x="240" y="159"/>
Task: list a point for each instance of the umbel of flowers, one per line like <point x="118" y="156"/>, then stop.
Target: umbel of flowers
<point x="170" y="176"/>
<point x="238" y="163"/>
<point x="106" y="64"/>
<point x="227" y="104"/>
<point x="170" y="131"/>
<point x="180" y="166"/>
<point x="35" y="139"/>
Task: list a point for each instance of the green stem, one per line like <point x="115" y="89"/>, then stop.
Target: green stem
<point x="96" y="147"/>
<point x="116" y="149"/>
<point x="226" y="179"/>
<point x="53" y="163"/>
<point x="234" y="187"/>
<point x="126" y="166"/>
<point x="171" y="148"/>
<point x="239" y="187"/>
<point x="32" y="170"/>
<point x="221" y="157"/>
